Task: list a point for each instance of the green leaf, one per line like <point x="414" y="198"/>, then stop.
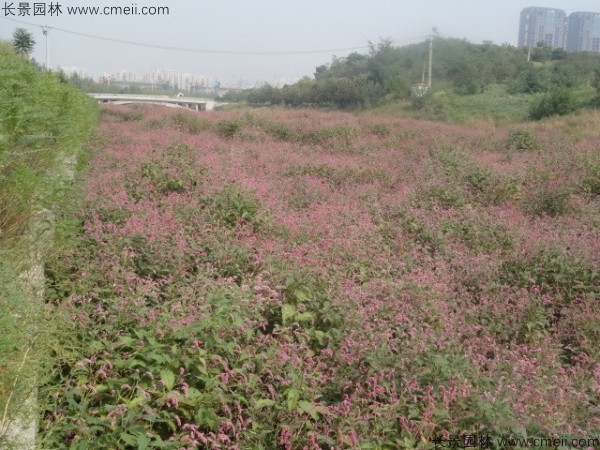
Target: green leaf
<point x="293" y="395"/>
<point x="301" y="295"/>
<point x="287" y="312"/>
<point x="129" y="439"/>
<point x="207" y="417"/>
<point x="261" y="403"/>
<point x="308" y="408"/>
<point x="305" y="317"/>
<point x="168" y="378"/>
<point x="143" y="442"/>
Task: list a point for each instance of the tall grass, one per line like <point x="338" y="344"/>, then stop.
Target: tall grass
<point x="42" y="124"/>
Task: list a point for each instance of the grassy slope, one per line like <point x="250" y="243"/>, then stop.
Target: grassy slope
<point x="493" y="105"/>
<point x="41" y="123"/>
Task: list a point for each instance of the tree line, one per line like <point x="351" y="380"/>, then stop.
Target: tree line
<point x="385" y="73"/>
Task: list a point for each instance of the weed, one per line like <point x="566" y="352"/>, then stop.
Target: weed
<point x="339" y="176"/>
<point x="553" y="271"/>
<point x="546" y="201"/>
<point x="234" y="206"/>
<point x="191" y="123"/>
<point x="114" y="215"/>
<point x="302" y="197"/>
<point x="590" y="184"/>
<point x="381" y="129"/>
<point x="480" y="236"/>
<point x="522" y="140"/>
<point x="123" y="116"/>
<point x="229" y="128"/>
<point x="448" y="196"/>
<point x="282" y="132"/>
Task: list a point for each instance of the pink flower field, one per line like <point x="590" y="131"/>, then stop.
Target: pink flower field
<point x="298" y="279"/>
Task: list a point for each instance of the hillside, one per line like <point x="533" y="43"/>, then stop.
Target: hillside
<point x="468" y="80"/>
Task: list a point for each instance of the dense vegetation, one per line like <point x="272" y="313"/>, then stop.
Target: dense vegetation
<point x="42" y="123"/>
<point x="288" y="279"/>
<point x="553" y="81"/>
<point x="293" y="278"/>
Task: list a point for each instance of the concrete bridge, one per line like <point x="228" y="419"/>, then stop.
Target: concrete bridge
<point x="197" y="104"/>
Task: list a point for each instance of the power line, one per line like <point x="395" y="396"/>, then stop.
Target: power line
<point x="201" y="50"/>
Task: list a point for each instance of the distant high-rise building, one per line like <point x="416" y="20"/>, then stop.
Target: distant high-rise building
<point x="542" y="26"/>
<point x="584" y="32"/>
<point x="70" y="71"/>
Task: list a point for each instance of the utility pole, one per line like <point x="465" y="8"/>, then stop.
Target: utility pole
<point x="45" y="30"/>
<point x="430" y="61"/>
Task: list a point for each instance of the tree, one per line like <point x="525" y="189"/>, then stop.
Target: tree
<point x="23" y="42"/>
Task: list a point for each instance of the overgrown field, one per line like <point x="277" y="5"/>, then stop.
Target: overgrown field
<point x="302" y="279"/>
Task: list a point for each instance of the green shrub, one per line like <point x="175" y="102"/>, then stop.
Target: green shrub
<point x="147" y="261"/>
<point x="480" y="236"/>
<point x="488" y="188"/>
<point x="521" y="140"/>
<point x="306" y="305"/>
<point x="164" y="182"/>
<point x="282" y="132"/>
<point x="114" y="215"/>
<point x="448" y="196"/>
<point x="124" y="116"/>
<point x="553" y="271"/>
<point x="470" y="181"/>
<point x="381" y="129"/>
<point x="557" y="102"/>
<point x="234" y="206"/>
<point x="229" y="128"/>
<point x="402" y="220"/>
<point x="591" y="182"/>
<point x="551" y="202"/>
<point x="191" y="123"/>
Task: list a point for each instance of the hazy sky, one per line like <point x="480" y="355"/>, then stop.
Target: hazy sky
<point x="268" y="26"/>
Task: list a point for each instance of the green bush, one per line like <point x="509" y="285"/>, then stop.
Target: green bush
<point x="521" y="140"/>
<point x="591" y="182"/>
<point x="557" y="102"/>
<point x="229" y="128"/>
<point x="191" y="123"/>
<point x="551" y="202"/>
<point x="553" y="271"/>
<point x="234" y="206"/>
<point x="124" y="116"/>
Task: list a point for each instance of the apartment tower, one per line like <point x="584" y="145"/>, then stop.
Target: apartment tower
<point x="542" y="26"/>
<point x="584" y="32"/>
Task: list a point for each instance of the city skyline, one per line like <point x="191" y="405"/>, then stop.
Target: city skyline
<point x="158" y="76"/>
